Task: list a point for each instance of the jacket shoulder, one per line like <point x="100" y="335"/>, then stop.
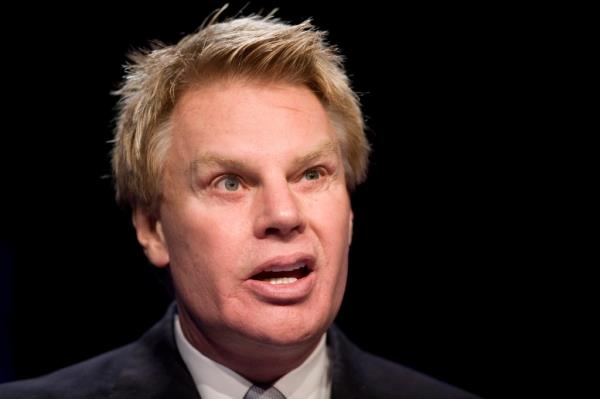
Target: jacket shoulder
<point x="148" y="368"/>
<point x="359" y="374"/>
<point x="91" y="378"/>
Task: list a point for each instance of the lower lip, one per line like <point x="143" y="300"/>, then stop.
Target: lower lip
<point x="282" y="293"/>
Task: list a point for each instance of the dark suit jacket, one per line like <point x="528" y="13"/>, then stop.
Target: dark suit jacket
<point x="151" y="368"/>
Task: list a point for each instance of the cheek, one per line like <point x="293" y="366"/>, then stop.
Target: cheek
<point x="336" y="225"/>
<point x="333" y="228"/>
<point x="207" y="252"/>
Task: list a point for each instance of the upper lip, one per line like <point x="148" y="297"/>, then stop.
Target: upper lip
<point x="284" y="261"/>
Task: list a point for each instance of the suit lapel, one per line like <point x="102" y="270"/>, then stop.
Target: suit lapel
<point x="347" y="382"/>
<point x="156" y="370"/>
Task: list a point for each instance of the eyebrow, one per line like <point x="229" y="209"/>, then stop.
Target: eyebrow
<point x="215" y="160"/>
<point x="323" y="150"/>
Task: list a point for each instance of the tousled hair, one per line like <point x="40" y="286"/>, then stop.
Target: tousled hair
<point x="250" y="48"/>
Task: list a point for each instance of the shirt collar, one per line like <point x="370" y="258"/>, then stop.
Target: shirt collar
<point x="310" y="380"/>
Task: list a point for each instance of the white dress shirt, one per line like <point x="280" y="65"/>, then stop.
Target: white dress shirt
<point x="310" y="380"/>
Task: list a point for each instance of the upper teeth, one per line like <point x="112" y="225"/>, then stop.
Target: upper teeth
<point x="286" y="268"/>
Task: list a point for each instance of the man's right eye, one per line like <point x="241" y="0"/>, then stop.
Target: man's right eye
<point x="229" y="183"/>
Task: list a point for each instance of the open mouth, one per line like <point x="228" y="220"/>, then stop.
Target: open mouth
<point x="283" y="274"/>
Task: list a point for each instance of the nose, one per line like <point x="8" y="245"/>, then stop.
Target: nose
<point x="278" y="212"/>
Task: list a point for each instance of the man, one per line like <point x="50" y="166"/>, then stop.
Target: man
<point x="236" y="150"/>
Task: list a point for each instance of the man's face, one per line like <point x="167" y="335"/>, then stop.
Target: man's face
<point x="256" y="218"/>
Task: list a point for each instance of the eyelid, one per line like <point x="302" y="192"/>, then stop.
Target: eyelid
<point x="222" y="177"/>
<point x="319" y="168"/>
<point x="322" y="170"/>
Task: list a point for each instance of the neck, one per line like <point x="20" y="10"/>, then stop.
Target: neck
<point x="258" y="362"/>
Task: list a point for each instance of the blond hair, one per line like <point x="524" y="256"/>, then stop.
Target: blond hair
<point x="256" y="48"/>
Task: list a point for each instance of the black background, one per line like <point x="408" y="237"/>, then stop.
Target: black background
<point x="442" y="226"/>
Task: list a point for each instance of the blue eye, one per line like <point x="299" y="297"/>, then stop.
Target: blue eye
<point x="230" y="183"/>
<point x="312" y="174"/>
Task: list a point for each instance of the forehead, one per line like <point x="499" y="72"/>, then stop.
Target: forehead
<point x="249" y="118"/>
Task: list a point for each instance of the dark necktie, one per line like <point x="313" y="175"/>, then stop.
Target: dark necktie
<point x="256" y="392"/>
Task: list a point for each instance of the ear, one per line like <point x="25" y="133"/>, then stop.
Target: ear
<point x="151" y="237"/>
<point x="350" y="227"/>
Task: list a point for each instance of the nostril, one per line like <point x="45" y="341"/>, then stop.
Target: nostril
<point x="271" y="231"/>
<point x="282" y="231"/>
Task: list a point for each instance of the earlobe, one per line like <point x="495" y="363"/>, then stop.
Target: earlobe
<point x="151" y="237"/>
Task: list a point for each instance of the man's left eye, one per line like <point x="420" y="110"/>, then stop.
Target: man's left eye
<point x="312" y="174"/>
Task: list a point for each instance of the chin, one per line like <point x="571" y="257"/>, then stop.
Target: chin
<point x="290" y="332"/>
